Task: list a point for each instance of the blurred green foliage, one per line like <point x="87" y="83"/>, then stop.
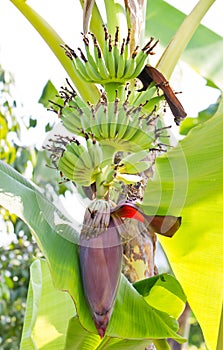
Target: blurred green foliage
<point x="195" y="336"/>
<point x="15" y="260"/>
<point x="16" y="257"/>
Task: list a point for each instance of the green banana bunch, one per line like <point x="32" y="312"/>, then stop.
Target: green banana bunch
<point x="75" y="119"/>
<point x="119" y="126"/>
<point x="112" y="63"/>
<point x="75" y="112"/>
<point x="133" y="163"/>
<point x="80" y="164"/>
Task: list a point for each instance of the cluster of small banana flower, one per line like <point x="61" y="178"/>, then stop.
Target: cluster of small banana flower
<point x="101" y="252"/>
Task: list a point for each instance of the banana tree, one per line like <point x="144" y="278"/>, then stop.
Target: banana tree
<point x="137" y="186"/>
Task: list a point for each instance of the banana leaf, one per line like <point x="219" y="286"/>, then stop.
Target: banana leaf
<point x="51" y="313"/>
<point x="47" y="311"/>
<point x="189" y="182"/>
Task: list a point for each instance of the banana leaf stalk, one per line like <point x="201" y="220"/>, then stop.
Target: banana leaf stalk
<point x="100" y="252"/>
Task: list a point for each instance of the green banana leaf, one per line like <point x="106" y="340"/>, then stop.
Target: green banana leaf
<point x="48" y="311"/>
<point x="78" y="338"/>
<point x="204" y="52"/>
<point x="189" y="181"/>
<point x="163" y="292"/>
<point x="58" y="241"/>
<point x="51" y="313"/>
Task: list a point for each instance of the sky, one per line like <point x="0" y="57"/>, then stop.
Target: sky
<point x="24" y="53"/>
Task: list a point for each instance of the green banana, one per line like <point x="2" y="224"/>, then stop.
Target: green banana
<point x="93" y="123"/>
<point x="130" y="131"/>
<point x="96" y="46"/>
<point x="130" y="68"/>
<point x="81" y="75"/>
<point x="110" y="58"/>
<point x="81" y="153"/>
<point x="115" y="49"/>
<point x="132" y="128"/>
<point x="116" y="56"/>
<point x="81" y="69"/>
<point x="139" y="66"/>
<point x="73" y="159"/>
<point x="143" y="97"/>
<point x="79" y="176"/>
<point x="85" y="157"/>
<point x="99" y="111"/>
<point x="102" y="69"/>
<point x="71" y="125"/>
<point x="71" y="114"/>
<point x="133" y="163"/>
<point x="122" y="123"/>
<point x="90" y="58"/>
<point x="81" y="103"/>
<point x="90" y="152"/>
<point x="105" y="48"/>
<point x="66" y="164"/>
<point x="141" y="140"/>
<point x="93" y="74"/>
<point x="104" y="122"/>
<point x="113" y="118"/>
<point x="65" y="170"/>
<point x="128" y="179"/>
<point x="94" y="127"/>
<point x="112" y="63"/>
<point x="95" y="152"/>
<point x="127" y="46"/>
<point x="121" y="66"/>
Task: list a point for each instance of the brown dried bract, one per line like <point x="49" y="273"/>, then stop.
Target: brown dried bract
<point x="150" y="74"/>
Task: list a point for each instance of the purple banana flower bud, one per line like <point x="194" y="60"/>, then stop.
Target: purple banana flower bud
<point x="101" y="252"/>
<point x="101" y="260"/>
